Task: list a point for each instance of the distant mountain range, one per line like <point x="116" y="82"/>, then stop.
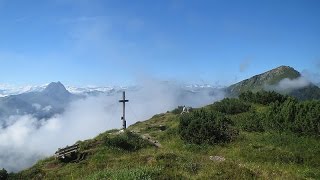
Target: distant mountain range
<point x="7" y="90"/>
<point x="283" y="79"/>
<point x="47" y="100"/>
<point x="44" y="104"/>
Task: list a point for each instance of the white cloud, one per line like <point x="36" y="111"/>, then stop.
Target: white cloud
<point x="47" y="108"/>
<point x="288" y="85"/>
<point x="312" y="76"/>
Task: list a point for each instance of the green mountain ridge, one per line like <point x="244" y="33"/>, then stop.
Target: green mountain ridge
<point x="269" y="81"/>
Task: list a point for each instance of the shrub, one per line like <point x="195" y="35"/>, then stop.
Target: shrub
<point x="262" y="97"/>
<point x="177" y="110"/>
<point x="3" y="174"/>
<point x="34" y="172"/>
<point x="206" y="127"/>
<point x="231" y="106"/>
<point x="127" y="141"/>
<point x="299" y="117"/>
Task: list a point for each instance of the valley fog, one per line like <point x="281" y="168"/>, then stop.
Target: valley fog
<point x="27" y="139"/>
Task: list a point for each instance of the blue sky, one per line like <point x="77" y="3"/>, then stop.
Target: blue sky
<point x="115" y="42"/>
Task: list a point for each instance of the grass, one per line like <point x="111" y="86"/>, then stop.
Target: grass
<point x="263" y="155"/>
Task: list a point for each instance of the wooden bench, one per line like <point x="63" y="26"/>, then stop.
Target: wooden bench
<point x="62" y="153"/>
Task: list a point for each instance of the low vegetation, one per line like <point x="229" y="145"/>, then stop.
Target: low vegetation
<point x="127" y="141"/>
<point x="262" y="97"/>
<point x="3" y="174"/>
<point x="231" y="106"/>
<point x="206" y="127"/>
<point x="283" y="114"/>
<point x="258" y="136"/>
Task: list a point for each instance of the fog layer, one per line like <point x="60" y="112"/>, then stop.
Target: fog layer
<point x="27" y="139"/>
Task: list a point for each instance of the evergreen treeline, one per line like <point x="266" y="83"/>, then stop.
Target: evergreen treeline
<point x="262" y="97"/>
<point x="299" y="117"/>
<point x="231" y="106"/>
<point x="261" y="111"/>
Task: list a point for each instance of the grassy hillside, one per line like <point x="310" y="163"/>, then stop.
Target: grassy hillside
<point x="154" y="149"/>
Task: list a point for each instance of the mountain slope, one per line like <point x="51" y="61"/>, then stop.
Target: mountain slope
<point x="114" y="155"/>
<point x="53" y="99"/>
<point x="283" y="79"/>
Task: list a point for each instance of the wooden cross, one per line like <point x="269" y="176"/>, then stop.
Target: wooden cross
<point x="124" y="100"/>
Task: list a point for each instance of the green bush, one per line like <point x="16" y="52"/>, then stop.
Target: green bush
<point x="3" y="174"/>
<point x="299" y="117"/>
<point x="177" y="110"/>
<point x="206" y="127"/>
<point x="231" y="106"/>
<point x="34" y="172"/>
<point x="127" y="141"/>
<point x="262" y="97"/>
<point x="283" y="114"/>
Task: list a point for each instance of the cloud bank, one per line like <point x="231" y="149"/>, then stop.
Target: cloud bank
<point x="314" y="77"/>
<point x="288" y="85"/>
<point x="26" y="139"/>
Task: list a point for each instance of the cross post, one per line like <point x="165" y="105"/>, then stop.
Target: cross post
<point x="123" y="118"/>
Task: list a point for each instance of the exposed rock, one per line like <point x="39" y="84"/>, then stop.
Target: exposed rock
<point x="217" y="158"/>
